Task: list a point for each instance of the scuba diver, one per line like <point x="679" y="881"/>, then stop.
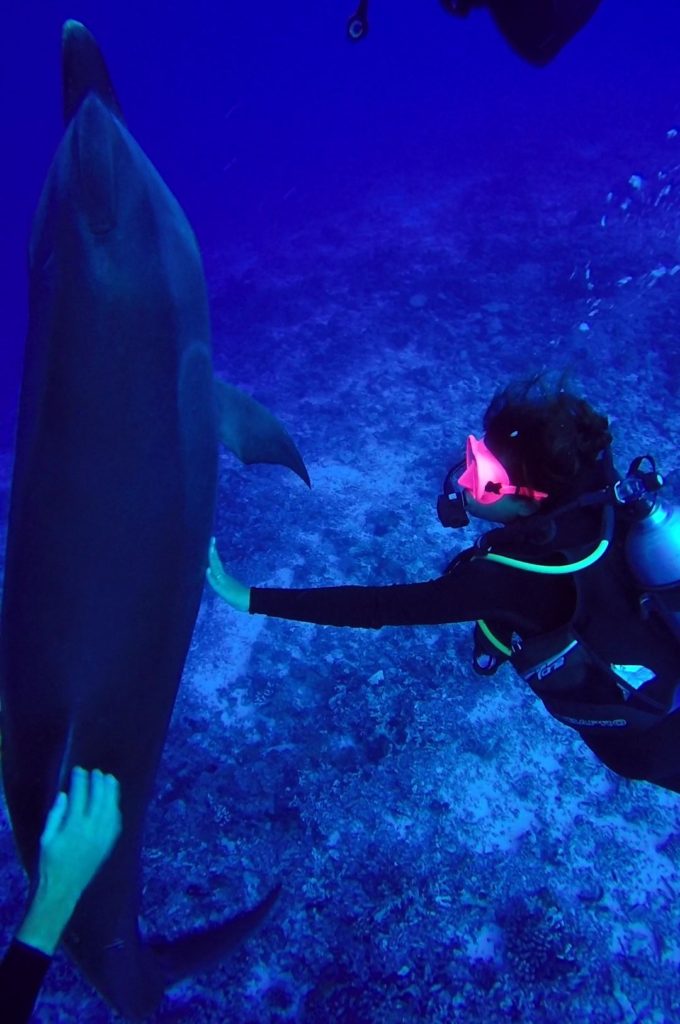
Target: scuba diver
<point x="578" y="587"/>
<point x="536" y="29"/>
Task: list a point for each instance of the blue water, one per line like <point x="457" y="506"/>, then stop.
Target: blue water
<point x="390" y="230"/>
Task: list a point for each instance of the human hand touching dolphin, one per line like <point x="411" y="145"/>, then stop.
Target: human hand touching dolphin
<point x="225" y="586"/>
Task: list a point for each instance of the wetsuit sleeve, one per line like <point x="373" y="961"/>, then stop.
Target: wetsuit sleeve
<point x="472" y="590"/>
<point x="21" y="974"/>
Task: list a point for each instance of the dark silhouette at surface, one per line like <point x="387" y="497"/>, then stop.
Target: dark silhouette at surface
<point x="536" y="29"/>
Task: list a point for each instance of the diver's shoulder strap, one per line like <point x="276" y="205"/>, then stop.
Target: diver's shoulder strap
<point x="494" y="644"/>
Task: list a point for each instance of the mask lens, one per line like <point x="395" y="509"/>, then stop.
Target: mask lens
<point x="485" y="477"/>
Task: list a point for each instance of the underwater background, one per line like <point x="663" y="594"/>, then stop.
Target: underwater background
<point x="390" y="231"/>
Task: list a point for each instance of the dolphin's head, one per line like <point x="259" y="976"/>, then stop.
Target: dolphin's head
<point x="84" y="71"/>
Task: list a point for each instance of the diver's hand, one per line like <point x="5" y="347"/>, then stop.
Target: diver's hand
<point x="79" y="834"/>
<point x="229" y="589"/>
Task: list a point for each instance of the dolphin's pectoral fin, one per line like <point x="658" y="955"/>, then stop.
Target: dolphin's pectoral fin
<point x="200" y="950"/>
<point x="252" y="433"/>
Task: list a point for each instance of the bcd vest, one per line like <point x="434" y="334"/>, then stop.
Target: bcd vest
<point x="615" y="664"/>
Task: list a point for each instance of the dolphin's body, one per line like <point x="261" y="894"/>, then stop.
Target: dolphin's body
<point x="111" y="513"/>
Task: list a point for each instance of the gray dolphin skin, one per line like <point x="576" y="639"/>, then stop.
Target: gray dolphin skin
<point x="111" y="514"/>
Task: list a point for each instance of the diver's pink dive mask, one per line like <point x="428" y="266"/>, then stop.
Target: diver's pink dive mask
<point x="487" y="479"/>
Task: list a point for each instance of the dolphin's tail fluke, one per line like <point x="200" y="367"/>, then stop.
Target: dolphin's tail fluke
<point x="204" y="948"/>
<point x="84" y="71"/>
<point x="132" y="975"/>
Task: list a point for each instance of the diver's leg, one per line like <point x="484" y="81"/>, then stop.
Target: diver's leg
<point x="651" y="756"/>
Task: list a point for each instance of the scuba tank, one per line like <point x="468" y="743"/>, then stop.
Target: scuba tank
<point x="653" y="542"/>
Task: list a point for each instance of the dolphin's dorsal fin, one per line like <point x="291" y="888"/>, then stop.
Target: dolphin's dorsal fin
<point x="252" y="432"/>
<point x="84" y="71"/>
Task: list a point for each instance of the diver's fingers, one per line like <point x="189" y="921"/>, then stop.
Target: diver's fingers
<point x="78" y="792"/>
<point x="96" y="792"/>
<point x="214" y="563"/>
<point x="218" y="583"/>
<point x="108" y="816"/>
<point x="54" y="819"/>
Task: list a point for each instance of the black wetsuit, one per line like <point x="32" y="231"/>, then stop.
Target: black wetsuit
<point x="21" y="974"/>
<point x="531" y="605"/>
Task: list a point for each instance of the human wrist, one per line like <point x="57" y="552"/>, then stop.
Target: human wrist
<point x="238" y="596"/>
<point x="47" y="916"/>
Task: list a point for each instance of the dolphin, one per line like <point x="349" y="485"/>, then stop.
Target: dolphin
<point x="111" y="513"/>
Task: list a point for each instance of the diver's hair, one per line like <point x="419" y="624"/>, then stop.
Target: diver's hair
<point x="547" y="437"/>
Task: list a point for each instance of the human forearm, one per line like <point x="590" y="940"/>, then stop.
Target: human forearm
<point x="22" y="972"/>
<point x="398" y="604"/>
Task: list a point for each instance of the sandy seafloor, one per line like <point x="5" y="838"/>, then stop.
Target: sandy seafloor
<point x="447" y="851"/>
